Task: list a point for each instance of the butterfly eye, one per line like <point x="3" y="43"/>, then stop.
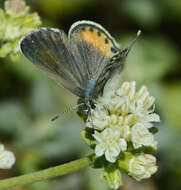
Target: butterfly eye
<point x="114" y="50"/>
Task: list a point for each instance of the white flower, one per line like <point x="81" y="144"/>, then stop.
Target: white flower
<point x="109" y="143"/>
<point x="125" y="132"/>
<point x="98" y="118"/>
<point x="127" y="111"/>
<point x="140" y="135"/>
<point x="146" y="120"/>
<point x="127" y="89"/>
<point x="7" y="158"/>
<point x="122" y="115"/>
<point x="144" y="97"/>
<point x="134" y="106"/>
<point x="118" y="124"/>
<point x="142" y="166"/>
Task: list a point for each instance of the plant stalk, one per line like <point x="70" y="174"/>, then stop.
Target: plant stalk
<point x="46" y="173"/>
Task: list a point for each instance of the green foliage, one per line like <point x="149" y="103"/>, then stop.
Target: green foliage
<point x="87" y="137"/>
<point x="16" y="21"/>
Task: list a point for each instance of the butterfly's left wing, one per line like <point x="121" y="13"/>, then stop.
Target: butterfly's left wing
<point x="48" y="49"/>
<point x="96" y="48"/>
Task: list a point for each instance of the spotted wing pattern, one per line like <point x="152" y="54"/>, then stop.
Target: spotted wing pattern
<point x="96" y="47"/>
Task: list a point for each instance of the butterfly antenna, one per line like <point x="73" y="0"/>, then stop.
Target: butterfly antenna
<point x="135" y="39"/>
<point x="66" y="111"/>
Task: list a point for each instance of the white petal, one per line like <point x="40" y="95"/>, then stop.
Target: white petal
<point x="122" y="144"/>
<point x="142" y="91"/>
<point x="152" y="169"/>
<point x="141" y="136"/>
<point x="100" y="148"/>
<point x="125" y="106"/>
<point x="109" y="156"/>
<point x="120" y="120"/>
<point x="126" y="131"/>
<point x="132" y="89"/>
<point x="98" y="136"/>
<point x="146" y="124"/>
<point x="153" y="117"/>
<point x="99" y="124"/>
<point x="113" y="119"/>
<point x="114" y="149"/>
<point x="149" y="102"/>
<point x="116" y="134"/>
<point x="107" y="132"/>
<point x="125" y="86"/>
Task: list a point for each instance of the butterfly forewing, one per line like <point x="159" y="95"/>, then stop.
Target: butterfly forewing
<point x="48" y="49"/>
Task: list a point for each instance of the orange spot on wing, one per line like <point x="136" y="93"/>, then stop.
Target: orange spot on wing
<point x="98" y="42"/>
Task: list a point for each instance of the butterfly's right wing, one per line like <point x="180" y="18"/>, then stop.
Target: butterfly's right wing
<point x="96" y="48"/>
<point x="48" y="49"/>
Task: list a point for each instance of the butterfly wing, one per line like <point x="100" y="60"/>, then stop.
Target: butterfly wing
<point x="48" y="49"/>
<point x="96" y="47"/>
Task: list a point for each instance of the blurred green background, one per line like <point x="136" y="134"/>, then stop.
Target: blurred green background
<point x="29" y="99"/>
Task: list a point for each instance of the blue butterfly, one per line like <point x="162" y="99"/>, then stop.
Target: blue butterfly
<point x="81" y="62"/>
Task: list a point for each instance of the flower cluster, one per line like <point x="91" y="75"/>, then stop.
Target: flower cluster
<point x="122" y="125"/>
<point x="7" y="158"/>
<point x="16" y="21"/>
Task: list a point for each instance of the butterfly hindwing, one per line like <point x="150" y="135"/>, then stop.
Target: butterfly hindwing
<point x="48" y="49"/>
<point x="96" y="48"/>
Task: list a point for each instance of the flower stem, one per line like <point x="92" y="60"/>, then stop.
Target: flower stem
<point x="45" y="174"/>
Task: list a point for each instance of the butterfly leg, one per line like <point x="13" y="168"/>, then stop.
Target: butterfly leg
<point x="88" y="112"/>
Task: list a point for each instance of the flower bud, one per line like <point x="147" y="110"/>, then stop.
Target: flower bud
<point x="113" y="177"/>
<point x="7" y="158"/>
<point x="142" y="166"/>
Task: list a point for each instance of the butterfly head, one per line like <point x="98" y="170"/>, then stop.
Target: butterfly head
<point x="122" y="54"/>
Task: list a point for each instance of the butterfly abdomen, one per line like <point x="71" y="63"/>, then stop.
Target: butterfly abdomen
<point x="90" y="89"/>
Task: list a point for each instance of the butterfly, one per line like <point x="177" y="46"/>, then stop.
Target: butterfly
<point x="81" y="62"/>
